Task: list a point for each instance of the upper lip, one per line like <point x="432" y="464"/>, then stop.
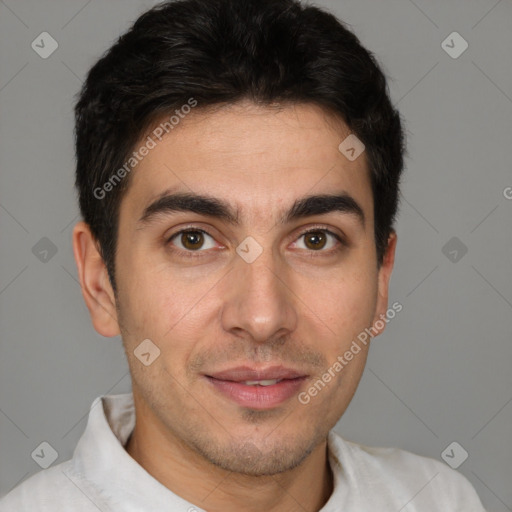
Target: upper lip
<point x="245" y="373"/>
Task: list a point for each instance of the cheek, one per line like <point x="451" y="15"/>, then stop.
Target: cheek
<point x="347" y="305"/>
<point x="162" y="306"/>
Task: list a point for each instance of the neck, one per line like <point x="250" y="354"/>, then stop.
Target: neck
<point x="187" y="474"/>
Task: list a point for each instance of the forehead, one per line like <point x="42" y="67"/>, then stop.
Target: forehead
<point x="259" y="159"/>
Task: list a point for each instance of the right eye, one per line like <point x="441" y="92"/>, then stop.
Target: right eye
<point x="190" y="240"/>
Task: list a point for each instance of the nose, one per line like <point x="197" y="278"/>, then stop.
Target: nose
<point x="259" y="302"/>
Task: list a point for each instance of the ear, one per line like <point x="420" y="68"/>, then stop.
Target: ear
<point x="96" y="288"/>
<point x="383" y="284"/>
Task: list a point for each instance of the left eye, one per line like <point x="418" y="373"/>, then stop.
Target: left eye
<point x="318" y="239"/>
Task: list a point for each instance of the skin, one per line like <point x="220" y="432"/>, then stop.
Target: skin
<point x="294" y="305"/>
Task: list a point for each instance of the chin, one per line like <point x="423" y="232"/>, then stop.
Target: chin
<point x="246" y="458"/>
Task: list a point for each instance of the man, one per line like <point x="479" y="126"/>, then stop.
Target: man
<point x="238" y="168"/>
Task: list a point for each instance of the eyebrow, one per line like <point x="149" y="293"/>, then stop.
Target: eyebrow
<point x="209" y="206"/>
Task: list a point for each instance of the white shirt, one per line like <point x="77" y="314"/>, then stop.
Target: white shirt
<point x="103" y="476"/>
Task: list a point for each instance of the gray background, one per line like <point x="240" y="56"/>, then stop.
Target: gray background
<point x="440" y="372"/>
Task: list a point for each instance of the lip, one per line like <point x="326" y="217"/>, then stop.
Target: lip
<point x="230" y="384"/>
<point x="243" y="373"/>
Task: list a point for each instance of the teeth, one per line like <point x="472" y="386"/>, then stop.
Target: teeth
<point x="262" y="382"/>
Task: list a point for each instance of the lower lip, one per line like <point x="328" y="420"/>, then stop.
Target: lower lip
<point x="258" y="397"/>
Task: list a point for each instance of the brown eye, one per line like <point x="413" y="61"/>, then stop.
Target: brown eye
<point x="320" y="240"/>
<point x="192" y="240"/>
<point x="315" y="240"/>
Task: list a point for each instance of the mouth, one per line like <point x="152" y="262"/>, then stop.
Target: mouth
<point x="257" y="388"/>
<point x="268" y="382"/>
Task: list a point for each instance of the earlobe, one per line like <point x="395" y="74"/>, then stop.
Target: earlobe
<point x="383" y="282"/>
<point x="96" y="288"/>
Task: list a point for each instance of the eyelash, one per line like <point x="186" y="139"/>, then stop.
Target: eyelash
<point x="197" y="254"/>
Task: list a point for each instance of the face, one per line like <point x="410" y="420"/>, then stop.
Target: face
<point x="245" y="288"/>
